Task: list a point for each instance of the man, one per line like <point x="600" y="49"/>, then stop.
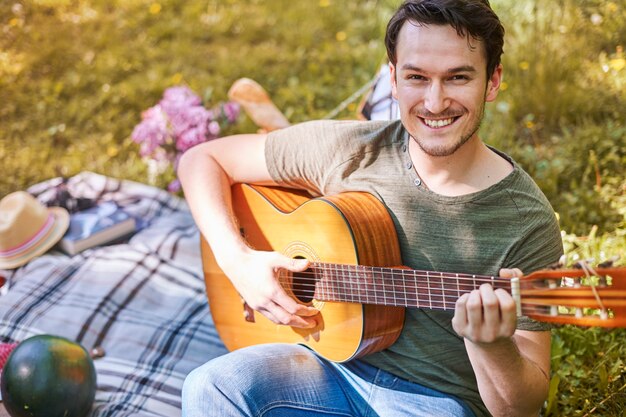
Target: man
<point x="458" y="206"/>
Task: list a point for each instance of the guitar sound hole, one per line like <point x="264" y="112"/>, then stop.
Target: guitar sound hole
<point x="303" y="285"/>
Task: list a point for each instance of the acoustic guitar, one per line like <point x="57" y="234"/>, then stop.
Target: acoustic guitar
<point x="357" y="282"/>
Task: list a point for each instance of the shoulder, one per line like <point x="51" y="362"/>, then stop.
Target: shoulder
<point x="522" y="189"/>
<point x="311" y="155"/>
<point x="540" y="241"/>
<point x="320" y="132"/>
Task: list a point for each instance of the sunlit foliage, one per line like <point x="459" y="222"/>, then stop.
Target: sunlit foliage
<point x="76" y="74"/>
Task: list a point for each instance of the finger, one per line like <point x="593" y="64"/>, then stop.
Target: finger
<point x="490" y="307"/>
<point x="508" y="311"/>
<point x="284" y="300"/>
<point x="474" y="310"/>
<point x="265" y="312"/>
<point x="291" y="264"/>
<point x="284" y="317"/>
<point x="292" y="306"/>
<point x="298" y="265"/>
<point x="510" y="272"/>
<point x="459" y="321"/>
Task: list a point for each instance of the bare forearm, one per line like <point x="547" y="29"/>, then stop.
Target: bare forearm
<point x="207" y="172"/>
<point x="510" y="383"/>
<point x="207" y="191"/>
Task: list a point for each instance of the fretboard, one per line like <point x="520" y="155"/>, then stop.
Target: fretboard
<point x="392" y="286"/>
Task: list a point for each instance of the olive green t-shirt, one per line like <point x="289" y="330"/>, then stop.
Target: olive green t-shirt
<point x="509" y="224"/>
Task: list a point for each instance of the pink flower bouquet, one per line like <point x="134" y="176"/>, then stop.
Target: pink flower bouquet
<point x="178" y="122"/>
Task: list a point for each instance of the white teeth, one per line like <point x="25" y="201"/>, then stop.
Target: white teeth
<point x="438" y="123"/>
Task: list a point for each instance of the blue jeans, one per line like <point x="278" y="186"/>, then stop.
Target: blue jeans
<point x="289" y="380"/>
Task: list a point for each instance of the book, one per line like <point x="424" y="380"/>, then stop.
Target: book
<point x="98" y="225"/>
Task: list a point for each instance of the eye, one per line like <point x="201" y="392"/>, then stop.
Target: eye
<point x="416" y="77"/>
<point x="460" y="77"/>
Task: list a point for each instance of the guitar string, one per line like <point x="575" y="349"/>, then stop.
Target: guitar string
<point x="311" y="278"/>
<point x="438" y="300"/>
<point x="534" y="309"/>
<point x="435" y="296"/>
<point x="402" y="273"/>
<point x="394" y="276"/>
<point x="427" y="297"/>
<point x="334" y="287"/>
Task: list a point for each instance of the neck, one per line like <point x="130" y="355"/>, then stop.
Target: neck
<point x="472" y="168"/>
<point x="394" y="286"/>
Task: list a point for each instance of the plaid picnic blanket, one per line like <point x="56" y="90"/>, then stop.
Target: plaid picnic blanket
<point x="143" y="302"/>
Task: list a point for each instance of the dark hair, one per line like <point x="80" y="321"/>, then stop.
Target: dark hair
<point x="473" y="18"/>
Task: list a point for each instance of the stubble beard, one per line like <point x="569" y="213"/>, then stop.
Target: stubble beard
<point x="441" y="150"/>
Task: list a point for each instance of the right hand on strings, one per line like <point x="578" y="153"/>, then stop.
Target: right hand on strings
<point x="255" y="276"/>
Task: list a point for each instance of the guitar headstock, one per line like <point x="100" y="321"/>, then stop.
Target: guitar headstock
<point x="581" y="295"/>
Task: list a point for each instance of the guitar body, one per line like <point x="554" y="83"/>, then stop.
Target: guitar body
<point x="350" y="228"/>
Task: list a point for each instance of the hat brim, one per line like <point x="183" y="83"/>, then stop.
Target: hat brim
<point x="59" y="227"/>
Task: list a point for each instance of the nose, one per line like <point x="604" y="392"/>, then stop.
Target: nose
<point x="436" y="100"/>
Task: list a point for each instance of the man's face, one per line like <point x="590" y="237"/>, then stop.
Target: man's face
<point x="441" y="86"/>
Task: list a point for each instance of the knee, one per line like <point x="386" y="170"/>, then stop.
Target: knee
<point x="196" y="392"/>
<point x="214" y="386"/>
<point x="228" y="382"/>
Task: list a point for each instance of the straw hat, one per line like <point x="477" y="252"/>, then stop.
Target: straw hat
<point x="28" y="228"/>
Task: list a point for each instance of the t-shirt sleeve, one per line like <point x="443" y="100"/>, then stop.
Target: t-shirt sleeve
<point x="302" y="156"/>
<point x="541" y="244"/>
<point x="312" y="155"/>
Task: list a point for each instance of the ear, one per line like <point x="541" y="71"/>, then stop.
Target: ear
<point x="394" y="80"/>
<point x="493" y="85"/>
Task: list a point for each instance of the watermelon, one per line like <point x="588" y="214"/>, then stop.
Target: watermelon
<point x="50" y="376"/>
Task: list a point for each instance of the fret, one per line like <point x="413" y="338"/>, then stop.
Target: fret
<point x="406" y="299"/>
<point x="443" y="294"/>
<point x="384" y="284"/>
<point x="350" y="280"/>
<point x="344" y="289"/>
<point x="360" y="274"/>
<point x="430" y="301"/>
<point x="355" y="283"/>
<point x="375" y="283"/>
<point x="458" y="286"/>
<point x="377" y="286"/>
<point x="385" y="281"/>
<point x="367" y="284"/>
<point x="325" y="284"/>
<point x="365" y="278"/>
<point x="374" y="288"/>
<point x="318" y="289"/>
<point x="395" y="300"/>
<point x="413" y="291"/>
<point x="337" y="284"/>
<point x="366" y="274"/>
<point x="329" y="283"/>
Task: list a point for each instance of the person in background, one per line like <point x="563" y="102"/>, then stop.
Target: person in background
<point x="458" y="205"/>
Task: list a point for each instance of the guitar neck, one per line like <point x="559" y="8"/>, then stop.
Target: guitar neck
<point x="391" y="286"/>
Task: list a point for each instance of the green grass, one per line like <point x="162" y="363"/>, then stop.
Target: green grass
<point x="76" y="74"/>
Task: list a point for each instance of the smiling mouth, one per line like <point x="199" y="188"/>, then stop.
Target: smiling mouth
<point x="439" y="123"/>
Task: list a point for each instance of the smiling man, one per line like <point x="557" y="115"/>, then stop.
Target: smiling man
<point x="458" y="206"/>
